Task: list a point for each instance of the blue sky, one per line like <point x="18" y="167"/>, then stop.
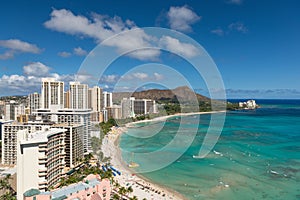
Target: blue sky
<point x="254" y="43"/>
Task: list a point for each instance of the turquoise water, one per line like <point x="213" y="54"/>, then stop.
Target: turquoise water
<point x="256" y="157"/>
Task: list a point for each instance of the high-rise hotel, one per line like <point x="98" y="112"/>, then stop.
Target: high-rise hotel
<point x="52" y="95"/>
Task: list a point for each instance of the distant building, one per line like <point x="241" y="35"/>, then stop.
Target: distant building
<point x="52" y="95"/>
<point x="96" y="97"/>
<point x="114" y="111"/>
<point x="91" y="188"/>
<point x="132" y="107"/>
<point x="78" y="95"/>
<point x="34" y="102"/>
<point x="107" y="99"/>
<point x="127" y="107"/>
<point x="250" y="104"/>
<point x="13" y="110"/>
<point x="67" y="99"/>
<point x="95" y="102"/>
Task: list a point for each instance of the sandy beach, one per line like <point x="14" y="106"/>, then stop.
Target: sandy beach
<point x="142" y="188"/>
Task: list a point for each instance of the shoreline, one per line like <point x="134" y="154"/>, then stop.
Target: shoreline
<point x="142" y="186"/>
<point x="162" y="118"/>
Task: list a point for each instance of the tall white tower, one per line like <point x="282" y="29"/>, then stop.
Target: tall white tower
<point x="52" y="95"/>
<point x="78" y="95"/>
<point x="95" y="99"/>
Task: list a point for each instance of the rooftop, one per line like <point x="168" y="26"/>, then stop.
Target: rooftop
<point x="41" y="136"/>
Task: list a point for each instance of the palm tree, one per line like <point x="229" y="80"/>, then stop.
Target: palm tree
<point x="9" y="191"/>
<point x="129" y="189"/>
<point x="134" y="198"/>
<point x="122" y="191"/>
<point x="116" y="197"/>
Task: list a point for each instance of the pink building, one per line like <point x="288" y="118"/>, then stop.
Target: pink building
<point x="91" y="188"/>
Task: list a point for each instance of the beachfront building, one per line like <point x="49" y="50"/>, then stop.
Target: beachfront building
<point x="9" y="132"/>
<point x="34" y="102"/>
<point x="127" y="107"/>
<point x="78" y="95"/>
<point x="114" y="111"/>
<point x="91" y="188"/>
<point x="132" y="107"/>
<point x="40" y="159"/>
<point x="52" y="95"/>
<point x="70" y="117"/>
<point x="73" y="143"/>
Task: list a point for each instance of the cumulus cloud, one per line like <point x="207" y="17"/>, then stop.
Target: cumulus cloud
<point x="64" y="54"/>
<point x="98" y="27"/>
<point x="138" y="41"/>
<point x="36" y="69"/>
<point x="182" y="18"/>
<point x="158" y="76"/>
<point x="176" y="46"/>
<point x="79" y="51"/>
<point x="108" y="79"/>
<point x="14" y="46"/>
<point x="30" y="81"/>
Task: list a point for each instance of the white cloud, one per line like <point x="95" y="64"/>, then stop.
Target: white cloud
<point x="14" y="46"/>
<point x="237" y="2"/>
<point x="99" y="27"/>
<point x="112" y="78"/>
<point x="218" y="31"/>
<point x="181" y="48"/>
<point x="64" y="54"/>
<point x="181" y="18"/>
<point x="158" y="76"/>
<point x="238" y="26"/>
<point x="79" y="51"/>
<point x="36" y="69"/>
<point x="19" y="45"/>
<point x="31" y="80"/>
<point x="138" y="41"/>
<point x="140" y="75"/>
<point x="7" y="55"/>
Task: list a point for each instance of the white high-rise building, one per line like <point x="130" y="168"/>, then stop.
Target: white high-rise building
<point x="107" y="99"/>
<point x="40" y="159"/>
<point x="52" y="95"/>
<point x="71" y="117"/>
<point x="13" y="110"/>
<point x="34" y="102"/>
<point x="131" y="107"/>
<point x="95" y="99"/>
<point x="9" y="133"/>
<point x="78" y="95"/>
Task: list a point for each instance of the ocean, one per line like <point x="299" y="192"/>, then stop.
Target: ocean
<point x="256" y="157"/>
